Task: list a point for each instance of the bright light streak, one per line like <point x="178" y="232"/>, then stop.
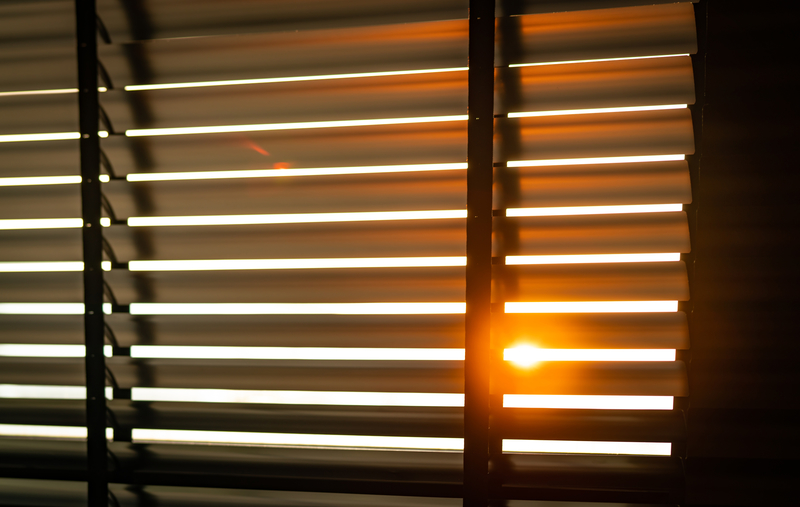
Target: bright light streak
<point x="592" y="307"/>
<point x="234" y="264"/>
<point x="526" y="355"/>
<point x="519" y="260"/>
<point x="46" y="350"/>
<point x="539" y="64"/>
<point x="345" y="398"/>
<point x="54" y="91"/>
<point x="38" y="267"/>
<point x="587" y="447"/>
<point x="433" y="308"/>
<point x="294" y="218"/>
<point x="40" y="431"/>
<point x="292" y="79"/>
<point x="295" y="439"/>
<point x="588" y="402"/>
<point x="280" y="173"/>
<point x="46" y="267"/>
<point x="592" y="210"/>
<point x="45" y="180"/>
<point x="46" y="308"/>
<point x="595" y="160"/>
<point x="37" y="392"/>
<point x="262" y="127"/>
<point x="295" y="353"/>
<point x="46" y="136"/>
<point x="39" y="180"/>
<point x="597" y="110"/>
<point x="41" y="223"/>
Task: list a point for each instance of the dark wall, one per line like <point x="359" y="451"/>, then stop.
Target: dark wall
<point x="744" y="408"/>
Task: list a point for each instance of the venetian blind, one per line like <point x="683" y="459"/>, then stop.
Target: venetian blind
<point x="285" y="191"/>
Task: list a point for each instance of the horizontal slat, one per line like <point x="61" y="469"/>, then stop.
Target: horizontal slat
<point x="646" y="281"/>
<point x="42" y="458"/>
<point x="606" y="378"/>
<point x="602" y="184"/>
<point x="25" y="62"/>
<point x="39" y="113"/>
<point x="386" y="376"/>
<point x="593" y="425"/>
<point x="389" y="421"/>
<point x="306" y="469"/>
<point x="434" y="45"/>
<point x="606" y="135"/>
<point x="58" y="329"/>
<point x="40" y="245"/>
<point x="558" y="477"/>
<point x="295" y="286"/>
<point x="625" y="83"/>
<point x="292" y="330"/>
<point x="186" y="18"/>
<point x="545" y="6"/>
<point x="53" y="493"/>
<point x="631" y="233"/>
<point x="40" y="371"/>
<point x="43" y="21"/>
<point x="608" y="33"/>
<point x="354" y="239"/>
<point x="363" y="465"/>
<point x="355" y="376"/>
<point x="342" y="420"/>
<point x="42" y="158"/>
<point x="15" y="492"/>
<point x="40" y="201"/>
<point x="426" y="190"/>
<point x="427" y="143"/>
<point x="615" y="331"/>
<point x="43" y="412"/>
<point x="434" y="94"/>
<point x="43" y="287"/>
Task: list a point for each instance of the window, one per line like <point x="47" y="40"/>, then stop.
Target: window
<point x="285" y="232"/>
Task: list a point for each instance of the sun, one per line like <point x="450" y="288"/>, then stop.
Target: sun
<point x="524" y="356"/>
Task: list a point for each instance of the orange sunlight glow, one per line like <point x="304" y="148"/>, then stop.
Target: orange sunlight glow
<point x="588" y="402"/>
<point x="526" y="355"/>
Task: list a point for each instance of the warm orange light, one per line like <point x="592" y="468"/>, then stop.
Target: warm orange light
<point x="522" y="355"/>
